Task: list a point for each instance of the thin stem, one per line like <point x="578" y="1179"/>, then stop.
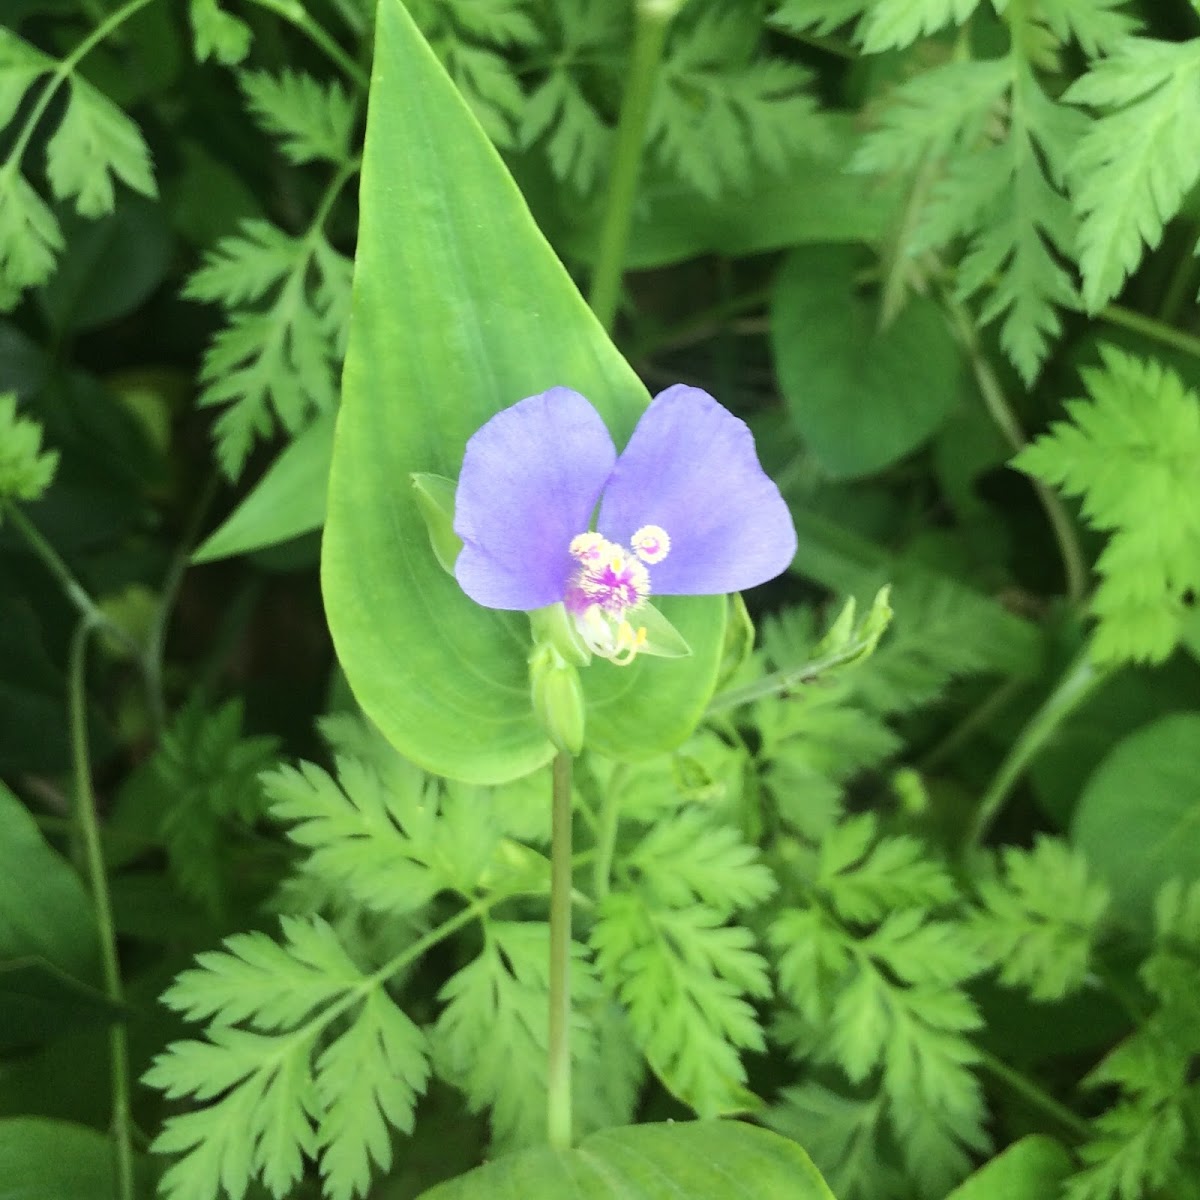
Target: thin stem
<point x="89" y="832"/>
<point x="296" y="14"/>
<point x="1080" y="679"/>
<point x="1151" y="327"/>
<point x="558" y="1074"/>
<point x="153" y="654"/>
<point x="62" y="72"/>
<point x="1036" y="1095"/>
<point x="979" y="718"/>
<point x="699" y="326"/>
<point x="610" y="821"/>
<point x="1074" y="564"/>
<point x="650" y="33"/>
<point x="74" y="590"/>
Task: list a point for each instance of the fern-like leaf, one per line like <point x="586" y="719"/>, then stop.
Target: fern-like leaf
<point x="25" y="469"/>
<point x="1040" y="919"/>
<point x="682" y="975"/>
<point x="278" y="359"/>
<point x="1138" y="161"/>
<point x="500" y="998"/>
<point x="721" y="112"/>
<point x="1131" y="453"/>
<point x="311" y="120"/>
<point x="326" y="1067"/>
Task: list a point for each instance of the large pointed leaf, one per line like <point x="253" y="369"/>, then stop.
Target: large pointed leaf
<point x="289" y="499"/>
<point x="700" y="1160"/>
<point x="461" y="309"/>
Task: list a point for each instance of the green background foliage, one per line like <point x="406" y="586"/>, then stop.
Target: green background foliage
<point x="878" y="911"/>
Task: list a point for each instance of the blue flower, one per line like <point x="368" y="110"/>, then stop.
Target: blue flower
<point x="686" y="509"/>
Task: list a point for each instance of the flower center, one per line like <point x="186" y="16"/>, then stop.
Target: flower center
<point x="610" y="582"/>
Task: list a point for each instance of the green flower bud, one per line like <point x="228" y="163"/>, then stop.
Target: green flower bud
<point x="435" y="499"/>
<point x="557" y="698"/>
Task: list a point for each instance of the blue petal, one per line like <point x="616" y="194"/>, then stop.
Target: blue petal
<point x="691" y="468"/>
<point x="530" y="480"/>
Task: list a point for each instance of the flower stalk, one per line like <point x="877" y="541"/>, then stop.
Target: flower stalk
<point x="558" y="1074"/>
<point x="650" y="35"/>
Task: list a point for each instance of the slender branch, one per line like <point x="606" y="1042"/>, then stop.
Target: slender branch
<point x="89" y="832"/>
<point x="73" y="589"/>
<point x="650" y="34"/>
<point x="153" y="654"/>
<point x="1151" y="327"/>
<point x="1036" y="1095"/>
<point x="1074" y="564"/>
<point x="62" y="72"/>
<point x="1080" y="679"/>
<point x="610" y="821"/>
<point x="297" y="15"/>
<point x="558" y="1075"/>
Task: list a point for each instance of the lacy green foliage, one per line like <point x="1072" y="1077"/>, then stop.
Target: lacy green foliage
<point x="501" y="998"/>
<point x="815" y="739"/>
<point x="26" y="471"/>
<point x="997" y="147"/>
<point x="207" y="776"/>
<point x="664" y="946"/>
<point x="988" y="153"/>
<point x="1130" y="454"/>
<point x="876" y="981"/>
<point x="1145" y="1143"/>
<point x="94" y="146"/>
<point x="575" y="134"/>
<point x="217" y="34"/>
<point x="1040" y="919"/>
<point x="1138" y="161"/>
<point x="287" y="303"/>
<point x="722" y="111"/>
<point x="286" y="299"/>
<point x="388" y="841"/>
<point x="304" y="1056"/>
<point x="472" y="38"/>
<point x="313" y="121"/>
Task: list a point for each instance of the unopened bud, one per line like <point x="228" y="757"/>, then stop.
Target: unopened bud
<point x="557" y="698"/>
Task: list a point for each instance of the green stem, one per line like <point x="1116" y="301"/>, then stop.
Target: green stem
<point x="979" y="718"/>
<point x="1074" y="564"/>
<point x="295" y="13"/>
<point x="558" y="1074"/>
<point x="1081" y="678"/>
<point x="74" y="590"/>
<point x="1036" y="1095"/>
<point x="62" y="72"/>
<point x="89" y="832"/>
<point x="1151" y="327"/>
<point x="610" y="821"/>
<point x="153" y="655"/>
<point x="650" y="34"/>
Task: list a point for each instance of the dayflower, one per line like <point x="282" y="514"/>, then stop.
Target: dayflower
<point x="549" y="513"/>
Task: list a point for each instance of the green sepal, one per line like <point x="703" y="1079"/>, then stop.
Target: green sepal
<point x="850" y="642"/>
<point x="435" y="499"/>
<point x="558" y="701"/>
<point x="552" y="626"/>
<point x="663" y="640"/>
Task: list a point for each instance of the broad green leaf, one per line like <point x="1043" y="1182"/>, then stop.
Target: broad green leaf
<point x="289" y="499"/>
<point x="460" y="310"/>
<point x="1031" y="1169"/>
<point x="1138" y="816"/>
<point x="702" y="1160"/>
<point x="44" y="911"/>
<point x="55" y="1160"/>
<point x="860" y="396"/>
